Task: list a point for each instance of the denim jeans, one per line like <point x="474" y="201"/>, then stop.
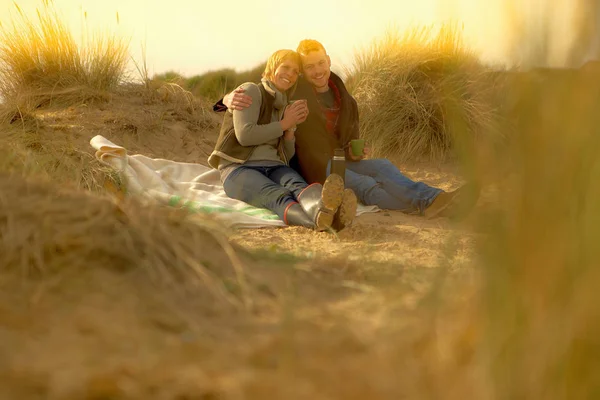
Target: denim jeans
<point x="378" y="182"/>
<point x="272" y="187"/>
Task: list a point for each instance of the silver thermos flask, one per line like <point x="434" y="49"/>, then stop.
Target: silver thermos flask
<point x="338" y="163"/>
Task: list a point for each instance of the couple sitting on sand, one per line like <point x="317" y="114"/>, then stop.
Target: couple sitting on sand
<point x="277" y="156"/>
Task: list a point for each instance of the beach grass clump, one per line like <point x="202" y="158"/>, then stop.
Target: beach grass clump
<point x="41" y="62"/>
<point x="411" y="86"/>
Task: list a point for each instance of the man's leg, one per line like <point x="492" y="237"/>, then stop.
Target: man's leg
<point x="371" y="193"/>
<point x="251" y="186"/>
<point x="412" y="196"/>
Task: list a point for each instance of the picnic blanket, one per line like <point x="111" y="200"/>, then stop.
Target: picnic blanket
<point x="194" y="186"/>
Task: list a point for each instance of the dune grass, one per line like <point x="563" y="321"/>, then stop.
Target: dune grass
<point x="406" y="84"/>
<point x="41" y="62"/>
<point x="212" y="85"/>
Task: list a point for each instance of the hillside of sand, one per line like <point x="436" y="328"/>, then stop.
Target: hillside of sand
<point x="97" y="319"/>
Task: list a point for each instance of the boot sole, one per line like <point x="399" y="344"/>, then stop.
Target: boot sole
<point x="434" y="214"/>
<point x="347" y="211"/>
<point x="331" y="196"/>
<point x="457" y="206"/>
<point x="460" y="207"/>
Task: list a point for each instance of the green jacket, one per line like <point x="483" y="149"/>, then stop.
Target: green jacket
<point x="259" y="135"/>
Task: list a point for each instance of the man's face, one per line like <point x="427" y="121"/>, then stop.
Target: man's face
<point x="316" y="66"/>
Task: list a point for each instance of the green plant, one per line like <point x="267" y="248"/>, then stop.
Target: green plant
<point x="213" y="84"/>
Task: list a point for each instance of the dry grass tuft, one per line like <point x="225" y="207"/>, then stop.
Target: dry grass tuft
<point x="40" y="62"/>
<point x="27" y="148"/>
<point x="46" y="231"/>
<point x="173" y="93"/>
<point x="407" y="85"/>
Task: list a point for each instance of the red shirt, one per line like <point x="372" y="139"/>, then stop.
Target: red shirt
<point x="332" y="114"/>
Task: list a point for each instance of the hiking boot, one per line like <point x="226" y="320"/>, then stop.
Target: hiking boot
<point x="347" y="211"/>
<point x="321" y="202"/>
<point x="454" y="204"/>
<point x="294" y="215"/>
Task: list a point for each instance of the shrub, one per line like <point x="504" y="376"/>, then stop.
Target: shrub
<point x="171" y="77"/>
<point x="40" y="61"/>
<point x="251" y="75"/>
<point x="407" y="85"/>
<point x="213" y="84"/>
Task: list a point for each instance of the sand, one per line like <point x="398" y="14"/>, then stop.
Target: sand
<point x="324" y="316"/>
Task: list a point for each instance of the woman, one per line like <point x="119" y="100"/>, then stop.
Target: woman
<point x="255" y="145"/>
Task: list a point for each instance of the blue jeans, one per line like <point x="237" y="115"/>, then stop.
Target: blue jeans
<point x="378" y="182"/>
<point x="273" y="187"/>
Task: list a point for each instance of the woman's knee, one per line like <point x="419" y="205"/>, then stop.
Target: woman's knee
<point x="231" y="189"/>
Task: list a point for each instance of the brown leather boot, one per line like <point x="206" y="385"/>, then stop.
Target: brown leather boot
<point x="347" y="211"/>
<point x="455" y="204"/>
<point x="321" y="202"/>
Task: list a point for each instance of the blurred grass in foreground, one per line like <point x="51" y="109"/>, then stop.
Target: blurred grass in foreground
<point x="539" y="303"/>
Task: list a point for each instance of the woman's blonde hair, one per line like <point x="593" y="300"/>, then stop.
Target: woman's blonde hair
<point x="277" y="58"/>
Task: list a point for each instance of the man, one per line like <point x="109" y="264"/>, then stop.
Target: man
<point x="332" y="123"/>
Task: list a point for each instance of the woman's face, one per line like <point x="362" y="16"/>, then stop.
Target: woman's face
<point x="286" y="75"/>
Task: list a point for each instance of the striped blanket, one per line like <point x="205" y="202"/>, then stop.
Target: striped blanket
<point x="194" y="186"/>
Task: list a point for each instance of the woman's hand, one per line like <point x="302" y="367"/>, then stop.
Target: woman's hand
<point x="293" y="115"/>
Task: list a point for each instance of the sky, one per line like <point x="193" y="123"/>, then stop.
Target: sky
<point x="195" y="36"/>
